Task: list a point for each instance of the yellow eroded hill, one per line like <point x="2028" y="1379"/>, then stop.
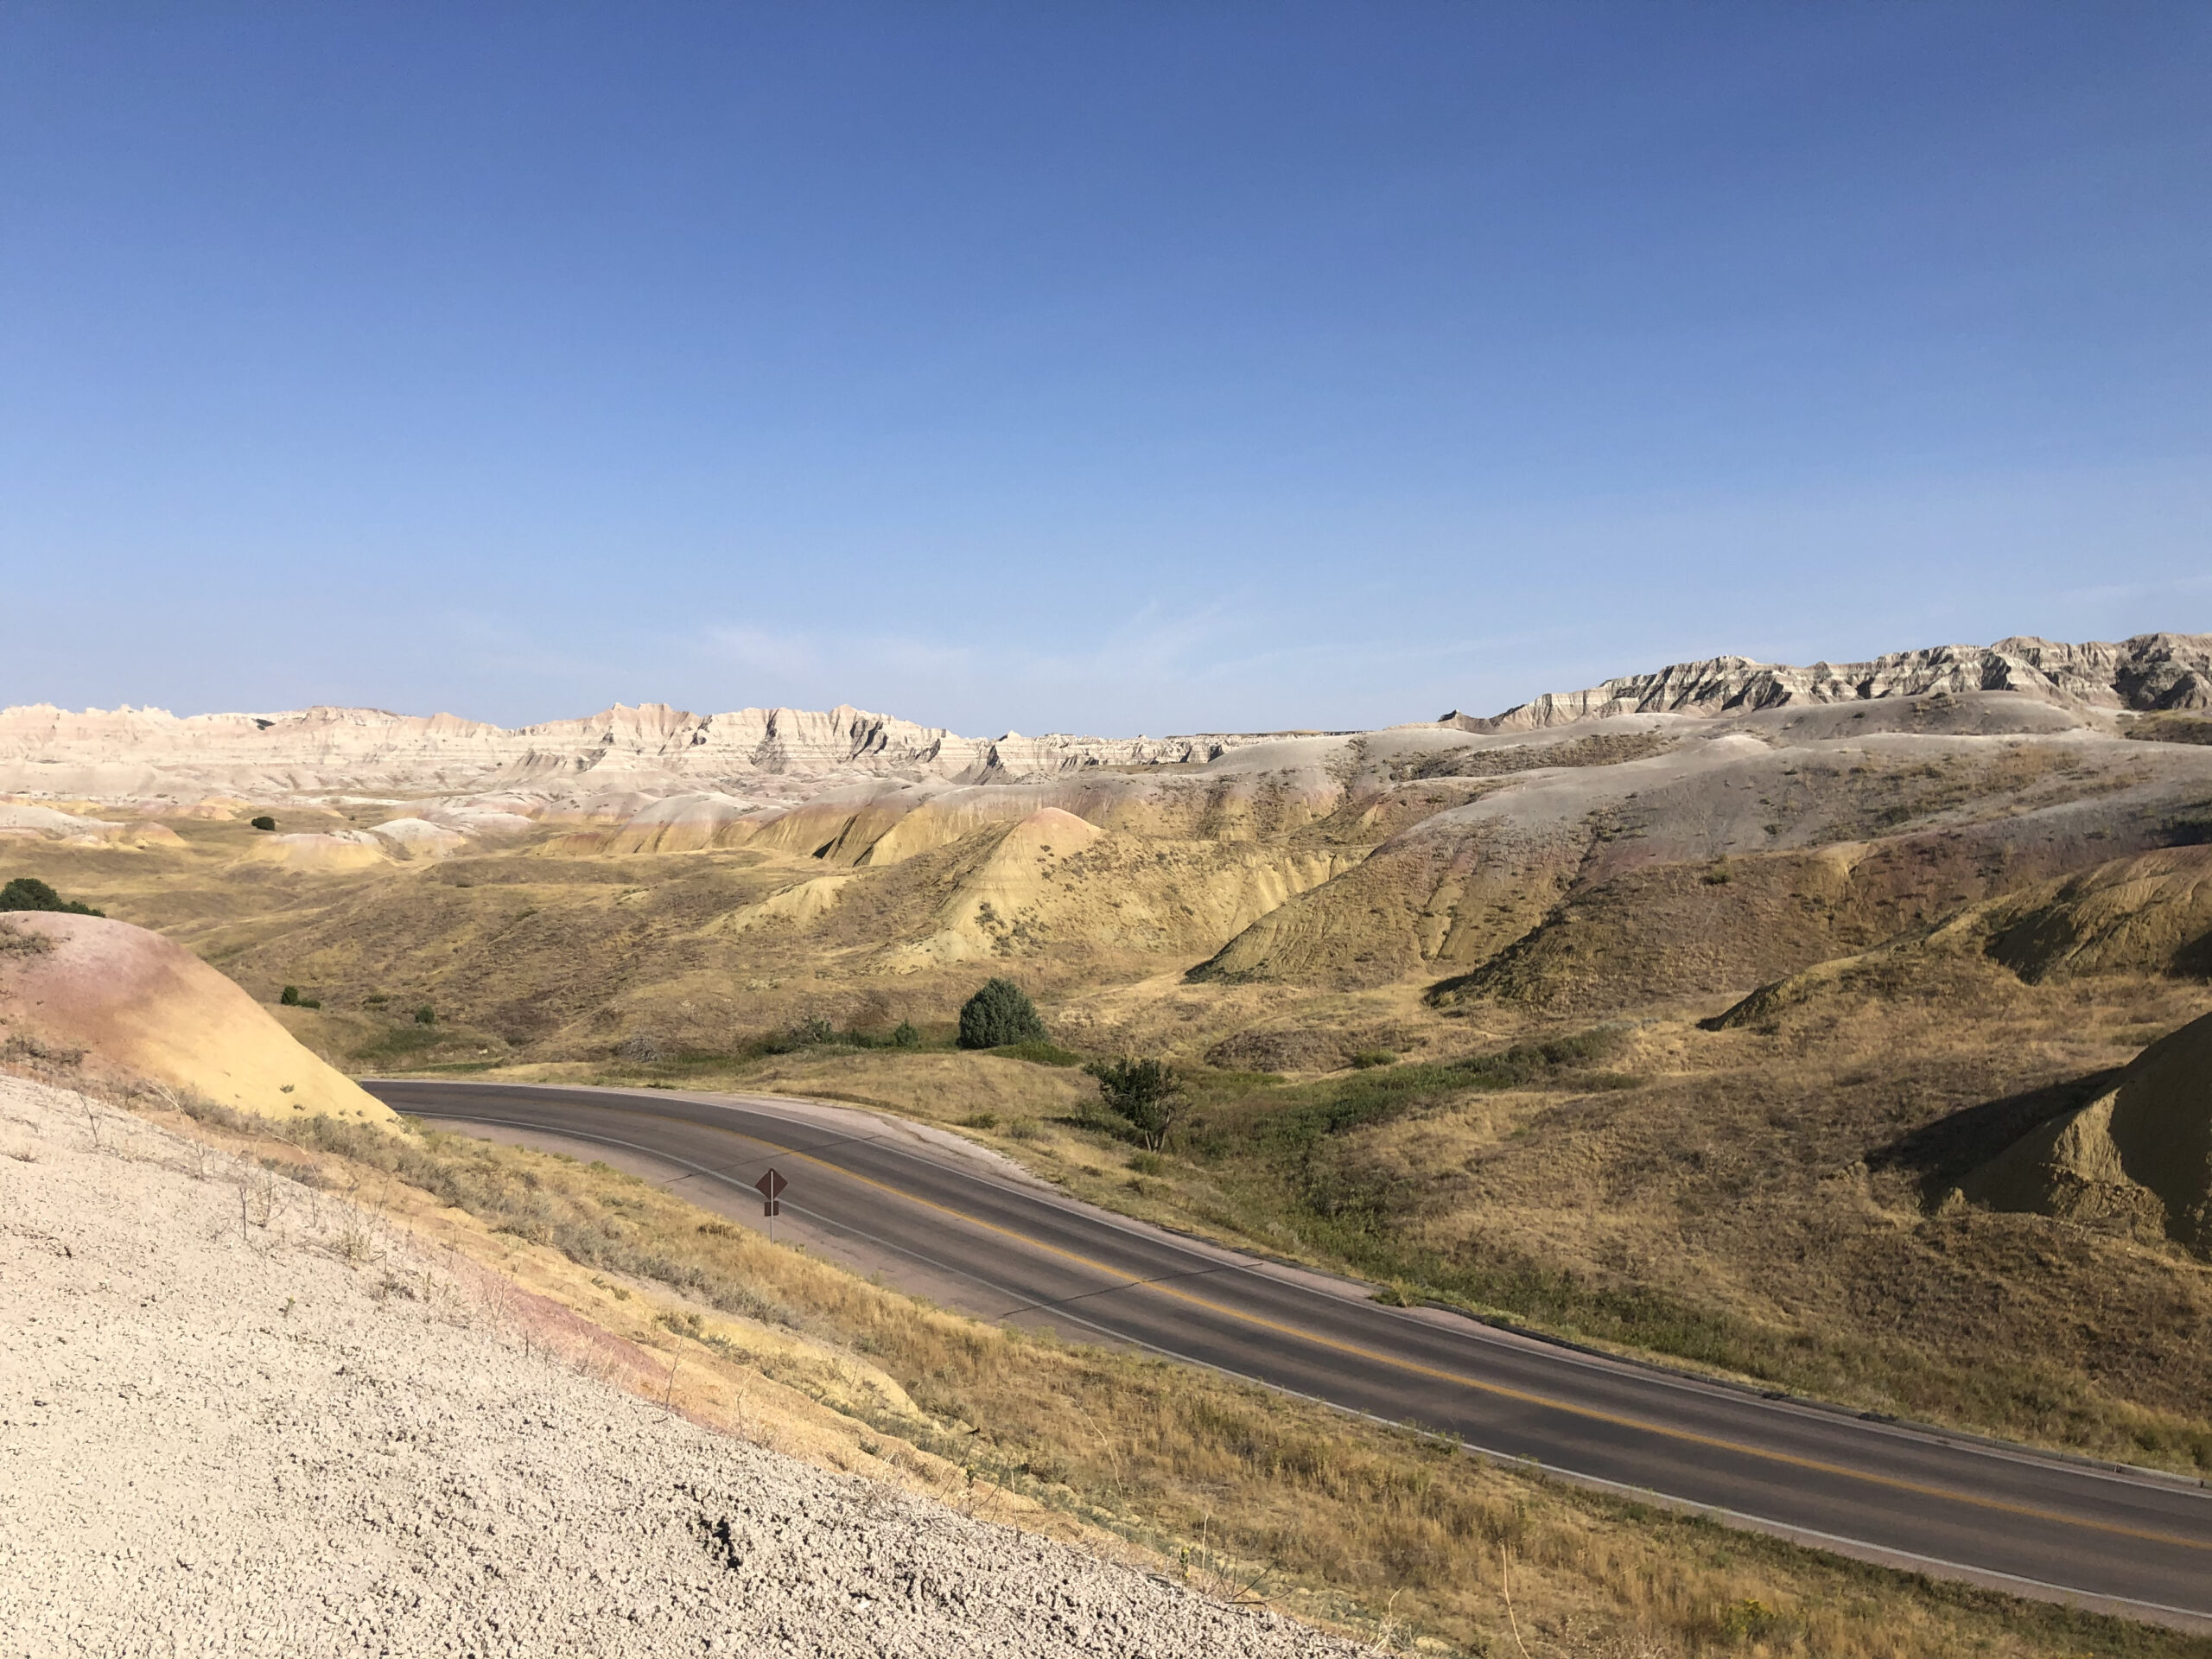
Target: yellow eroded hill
<point x="2151" y="913"/>
<point x="2141" y="1153"/>
<point x="135" y="1006"/>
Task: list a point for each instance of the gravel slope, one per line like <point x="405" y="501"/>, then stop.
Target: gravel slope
<point x="238" y="1416"/>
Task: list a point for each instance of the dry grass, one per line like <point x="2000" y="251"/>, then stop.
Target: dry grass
<point x="1391" y="1533"/>
<point x="1763" y="1202"/>
<point x="1769" y="1202"/>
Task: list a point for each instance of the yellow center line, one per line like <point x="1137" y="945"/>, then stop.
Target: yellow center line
<point x="1503" y="1390"/>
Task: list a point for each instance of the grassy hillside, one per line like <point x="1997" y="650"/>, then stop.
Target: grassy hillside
<point x="1787" y="976"/>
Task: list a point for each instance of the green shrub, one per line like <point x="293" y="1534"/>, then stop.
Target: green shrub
<point x="28" y="892"/>
<point x="290" y="996"/>
<point x="903" y="1035"/>
<point x="1000" y="1016"/>
<point x="264" y="822"/>
<point x="1147" y="1095"/>
<point x="1367" y="1058"/>
<point x="426" y="1015"/>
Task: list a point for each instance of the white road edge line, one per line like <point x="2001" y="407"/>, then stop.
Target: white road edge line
<point x="1881" y="1555"/>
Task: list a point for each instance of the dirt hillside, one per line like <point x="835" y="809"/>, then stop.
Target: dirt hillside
<point x="132" y="1007"/>
<point x="312" y="1435"/>
<point x="2140" y="1151"/>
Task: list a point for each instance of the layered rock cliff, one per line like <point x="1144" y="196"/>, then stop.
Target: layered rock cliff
<point x="611" y="765"/>
<point x="2152" y="672"/>
<point x="651" y="750"/>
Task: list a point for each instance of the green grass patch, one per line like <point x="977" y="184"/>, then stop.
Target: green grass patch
<point x="1039" y="1051"/>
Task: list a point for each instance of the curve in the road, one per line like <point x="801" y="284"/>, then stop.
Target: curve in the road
<point x="2124" y="1540"/>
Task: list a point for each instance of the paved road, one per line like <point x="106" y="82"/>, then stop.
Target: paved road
<point x="2129" y="1542"/>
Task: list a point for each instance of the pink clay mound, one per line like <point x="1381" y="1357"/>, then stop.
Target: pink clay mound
<point x="118" y="1002"/>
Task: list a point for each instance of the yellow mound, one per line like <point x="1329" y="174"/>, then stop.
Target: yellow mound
<point x="343" y="849"/>
<point x="143" y="1008"/>
<point x="688" y="823"/>
<point x="986" y="907"/>
<point x="2141" y="1154"/>
<point x="2148" y="914"/>
<point x="805" y="903"/>
<point x="936" y="823"/>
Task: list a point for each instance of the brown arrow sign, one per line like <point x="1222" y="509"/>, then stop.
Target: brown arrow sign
<point x="770" y="1187"/>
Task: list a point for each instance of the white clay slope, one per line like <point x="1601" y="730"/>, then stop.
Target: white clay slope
<point x="271" y="1424"/>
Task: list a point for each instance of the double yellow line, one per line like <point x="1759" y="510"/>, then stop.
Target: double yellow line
<point x="1500" y="1390"/>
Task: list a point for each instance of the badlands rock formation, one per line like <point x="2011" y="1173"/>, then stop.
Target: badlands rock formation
<point x="2152" y="672"/>
<point x="616" y="763"/>
<point x="646" y="751"/>
<point x="2140" y="1153"/>
<point x="838" y="784"/>
<point x="1561" y="857"/>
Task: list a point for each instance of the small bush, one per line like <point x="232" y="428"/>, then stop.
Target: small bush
<point x="1368" y="1058"/>
<point x="903" y="1035"/>
<point x="264" y="822"/>
<point x="426" y="1015"/>
<point x="290" y="996"/>
<point x="1147" y="1095"/>
<point x="980" y="1120"/>
<point x="999" y="1016"/>
<point x="813" y="1031"/>
<point x="28" y="892"/>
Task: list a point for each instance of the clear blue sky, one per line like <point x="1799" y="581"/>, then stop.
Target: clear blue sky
<point x="1110" y="368"/>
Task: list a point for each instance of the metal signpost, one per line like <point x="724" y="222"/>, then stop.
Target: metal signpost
<point x="770" y="1188"/>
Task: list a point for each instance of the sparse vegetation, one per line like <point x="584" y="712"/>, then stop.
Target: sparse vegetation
<point x="15" y="942"/>
<point x="264" y="822"/>
<point x="2169" y="728"/>
<point x="290" y="998"/>
<point x="426" y="1015"/>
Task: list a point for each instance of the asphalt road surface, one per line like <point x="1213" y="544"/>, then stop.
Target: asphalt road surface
<point x="952" y="1224"/>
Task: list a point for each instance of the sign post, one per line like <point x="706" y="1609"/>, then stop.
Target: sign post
<point x="770" y="1188"/>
